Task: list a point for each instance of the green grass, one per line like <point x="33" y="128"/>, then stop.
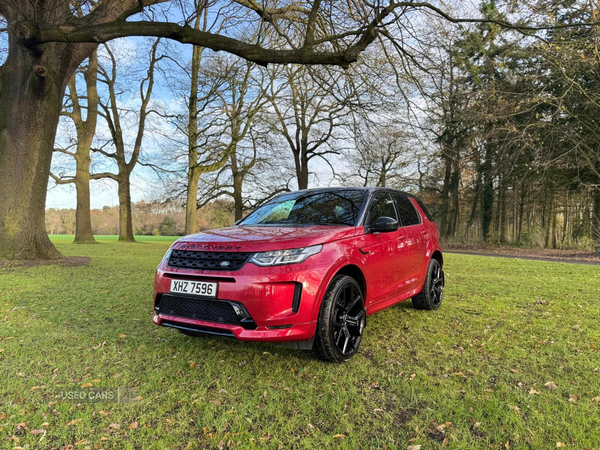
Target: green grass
<point x="479" y="365"/>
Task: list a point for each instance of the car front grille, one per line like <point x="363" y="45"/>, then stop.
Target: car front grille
<point x="198" y="308"/>
<point x="193" y="259"/>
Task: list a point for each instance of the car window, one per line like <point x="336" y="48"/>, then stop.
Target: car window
<point x="382" y="205"/>
<point x="408" y="213"/>
<point x="424" y="209"/>
<point x="337" y="207"/>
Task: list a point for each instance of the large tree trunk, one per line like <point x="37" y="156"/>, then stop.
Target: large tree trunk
<point x="125" y="219"/>
<point x="32" y="85"/>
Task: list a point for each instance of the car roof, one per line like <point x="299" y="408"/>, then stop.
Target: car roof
<point x="351" y="188"/>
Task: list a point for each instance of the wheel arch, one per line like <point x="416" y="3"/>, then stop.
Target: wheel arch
<point x="355" y="272"/>
<point x="437" y="255"/>
<point x="346" y="268"/>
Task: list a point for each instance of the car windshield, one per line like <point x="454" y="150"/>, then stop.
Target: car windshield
<point x="340" y="207"/>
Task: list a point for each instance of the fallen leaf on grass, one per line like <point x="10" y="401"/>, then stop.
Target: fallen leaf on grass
<point x="192" y="365"/>
<point x="74" y="422"/>
<point x="36" y="432"/>
<point x="595" y="399"/>
<point x="3" y="415"/>
<point x="414" y="447"/>
<point x="133" y="425"/>
<point x="104" y="413"/>
<point x="533" y="391"/>
<point x="122" y="335"/>
<point x="86" y="385"/>
<point x="115" y="426"/>
<point x="551" y="385"/>
<point x="339" y="436"/>
<point x="560" y="444"/>
<point x="572" y="398"/>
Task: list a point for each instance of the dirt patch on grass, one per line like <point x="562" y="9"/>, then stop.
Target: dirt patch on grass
<point x="68" y="261"/>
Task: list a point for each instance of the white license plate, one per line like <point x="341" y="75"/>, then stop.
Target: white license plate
<point x="194" y="288"/>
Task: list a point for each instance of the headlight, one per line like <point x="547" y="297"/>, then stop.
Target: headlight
<point x="167" y="256"/>
<point x="280" y="257"/>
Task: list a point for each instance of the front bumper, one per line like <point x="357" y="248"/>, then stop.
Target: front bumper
<point x="265" y="300"/>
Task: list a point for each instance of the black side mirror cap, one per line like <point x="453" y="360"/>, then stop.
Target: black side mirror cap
<point x="384" y="225"/>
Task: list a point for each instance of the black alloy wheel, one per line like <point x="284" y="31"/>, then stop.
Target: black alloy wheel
<point x="342" y="320"/>
<point x="432" y="293"/>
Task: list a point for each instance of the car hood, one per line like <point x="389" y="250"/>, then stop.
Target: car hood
<point x="261" y="238"/>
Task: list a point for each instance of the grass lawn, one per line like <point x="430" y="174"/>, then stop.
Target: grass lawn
<point x="472" y="375"/>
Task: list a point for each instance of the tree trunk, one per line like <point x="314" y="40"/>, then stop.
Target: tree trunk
<point x="86" y="129"/>
<point x="237" y="197"/>
<point x="550" y="241"/>
<point x="522" y="197"/>
<point x="191" y="210"/>
<point x="238" y="180"/>
<point x="125" y="218"/>
<point x="487" y="196"/>
<point x="83" y="216"/>
<point x="32" y="85"/>
<point x="454" y="197"/>
<point x="502" y="212"/>
<point x="445" y="208"/>
<point x="302" y="170"/>
<point x="596" y="221"/>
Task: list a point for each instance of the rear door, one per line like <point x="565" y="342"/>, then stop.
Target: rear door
<point x="413" y="235"/>
<point x="382" y="259"/>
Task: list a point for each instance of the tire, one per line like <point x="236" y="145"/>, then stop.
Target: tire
<point x="341" y="322"/>
<point x="432" y="293"/>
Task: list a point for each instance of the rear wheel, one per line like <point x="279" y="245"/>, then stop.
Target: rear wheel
<point x="433" y="289"/>
<point x="342" y="320"/>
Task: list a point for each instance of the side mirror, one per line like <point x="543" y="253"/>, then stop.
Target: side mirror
<point x="384" y="225"/>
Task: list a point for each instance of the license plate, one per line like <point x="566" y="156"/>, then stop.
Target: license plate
<point x="202" y="288"/>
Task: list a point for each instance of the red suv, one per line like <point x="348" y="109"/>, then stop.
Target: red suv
<point x="306" y="268"/>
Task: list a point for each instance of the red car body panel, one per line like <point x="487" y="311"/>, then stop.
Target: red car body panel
<point x="393" y="265"/>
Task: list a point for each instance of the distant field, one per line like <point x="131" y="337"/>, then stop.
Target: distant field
<point x="473" y="375"/>
<point x="67" y="239"/>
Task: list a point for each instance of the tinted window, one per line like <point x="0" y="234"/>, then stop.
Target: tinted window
<point x="382" y="205"/>
<point x="408" y="213"/>
<point x="425" y="210"/>
<point x="310" y="208"/>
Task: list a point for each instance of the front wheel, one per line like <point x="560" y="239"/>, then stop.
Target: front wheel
<point x="433" y="289"/>
<point x="342" y="320"/>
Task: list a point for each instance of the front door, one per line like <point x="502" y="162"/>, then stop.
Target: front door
<point x="382" y="258"/>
